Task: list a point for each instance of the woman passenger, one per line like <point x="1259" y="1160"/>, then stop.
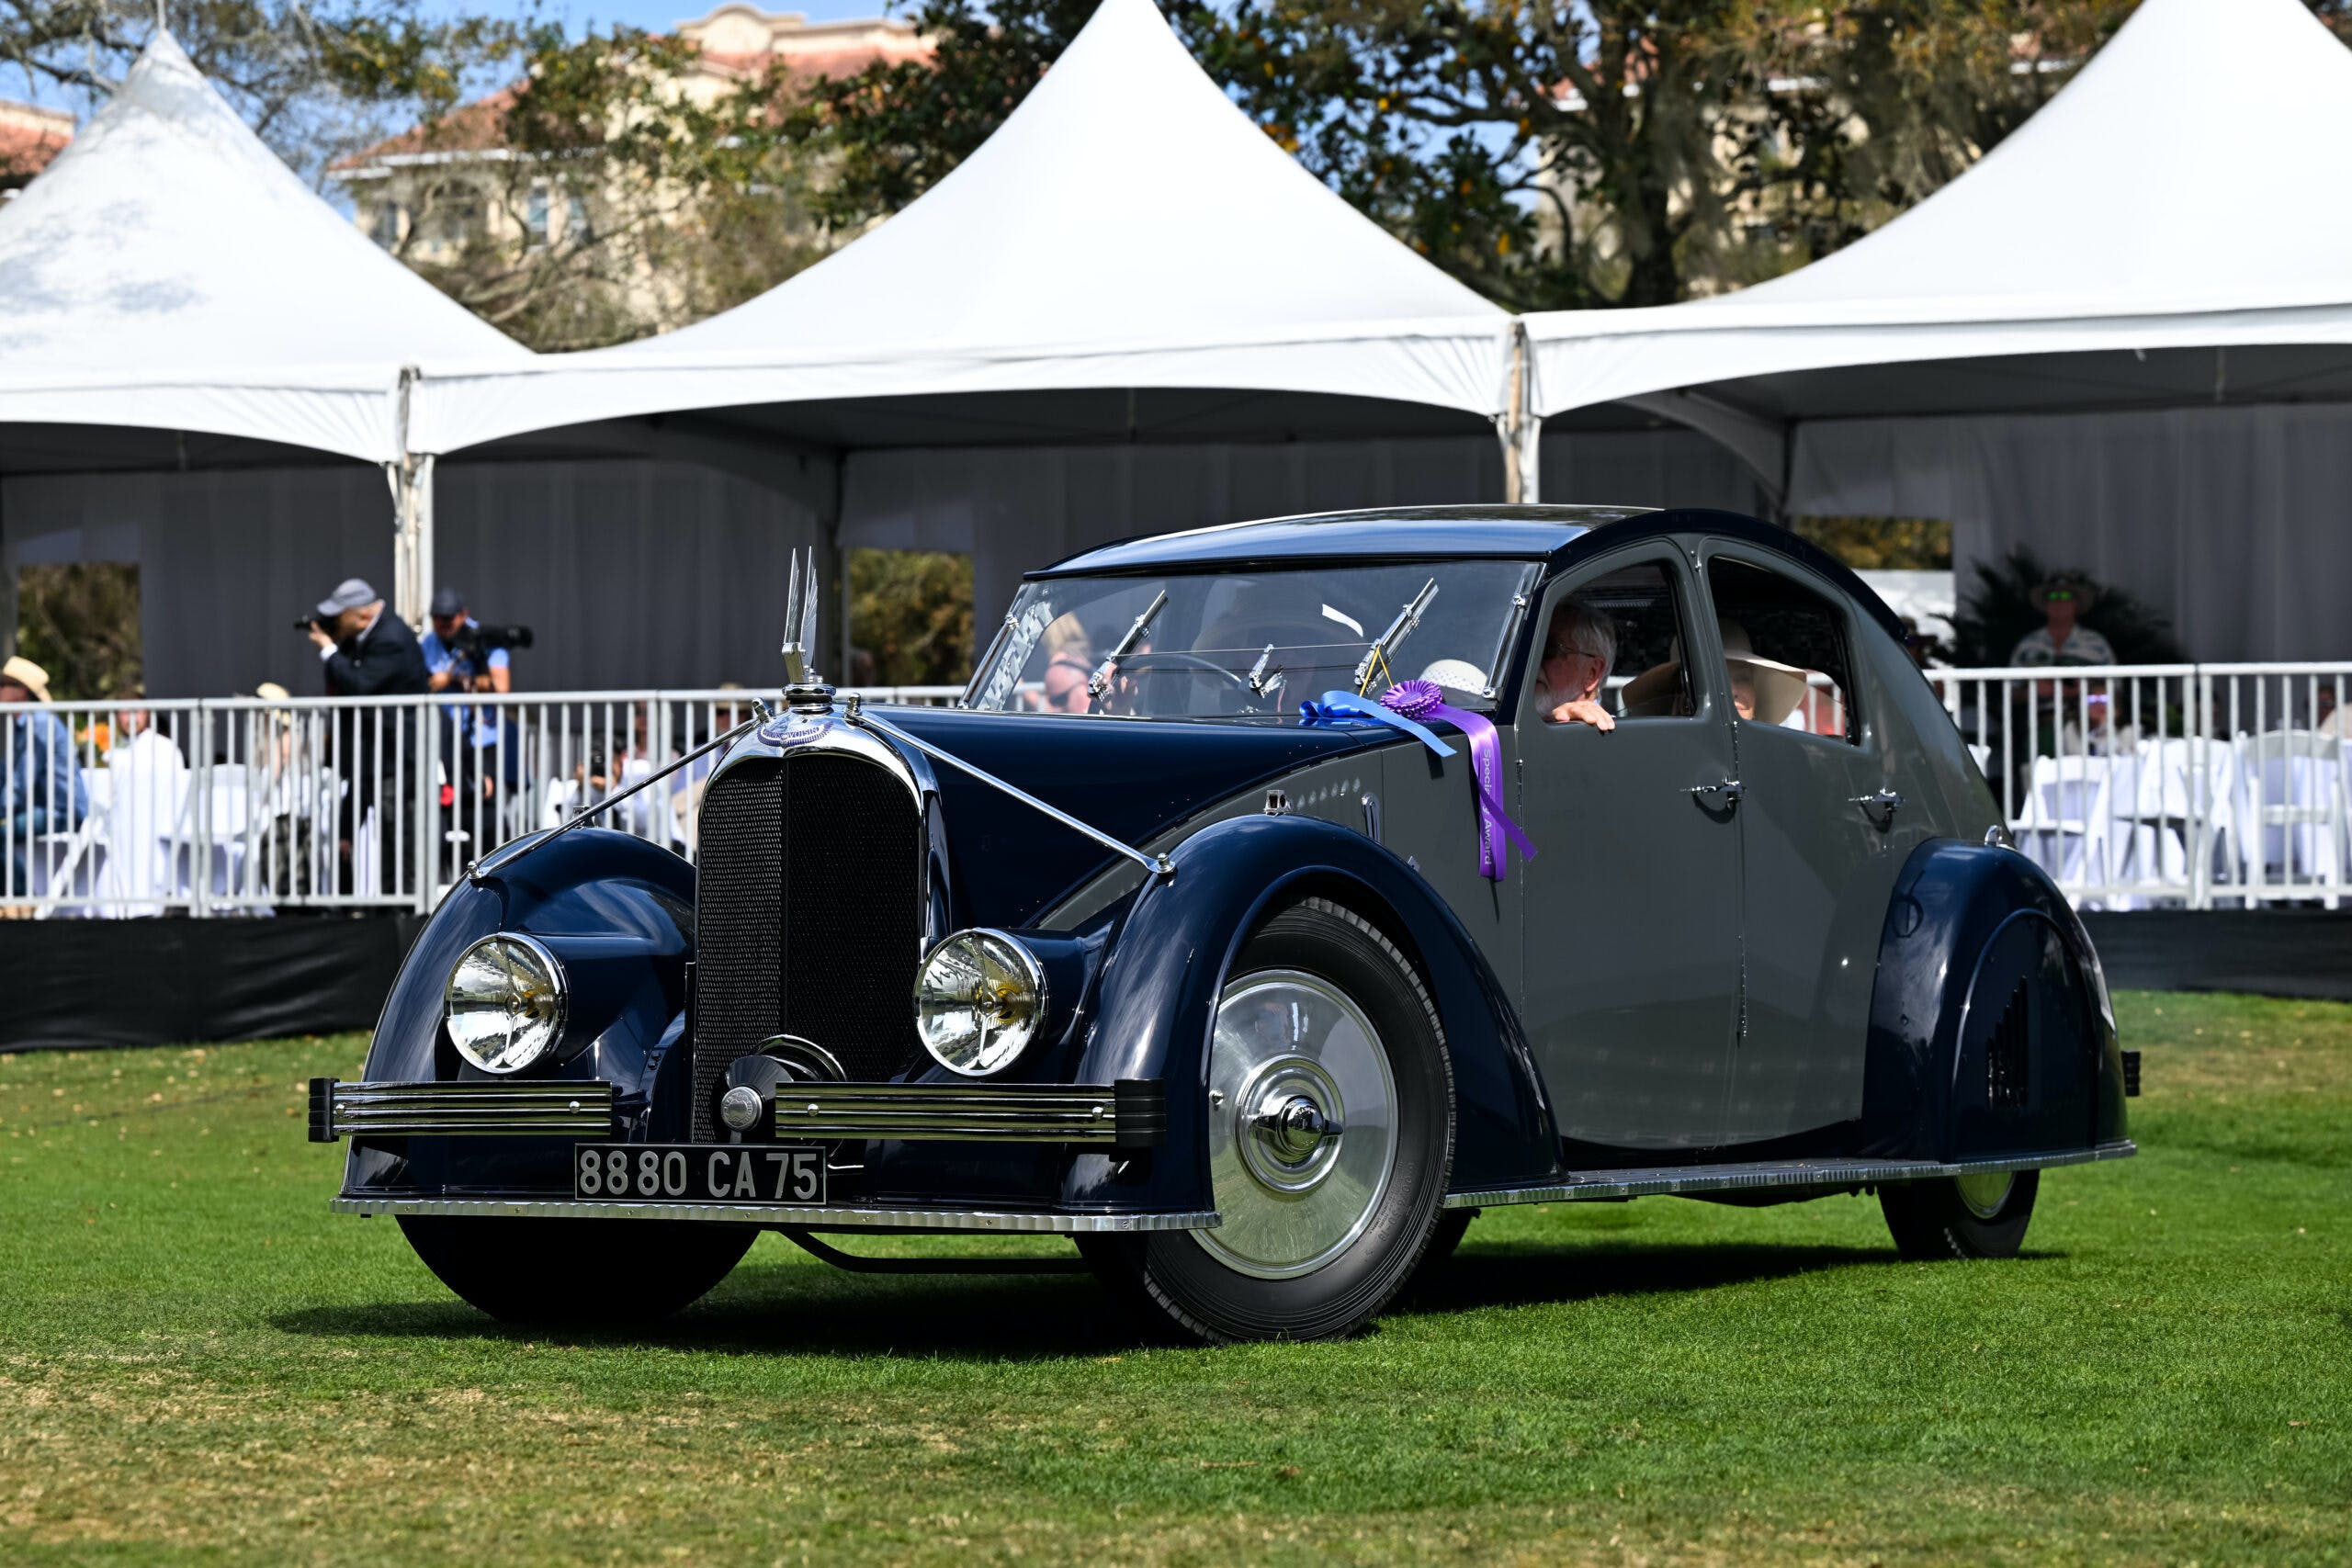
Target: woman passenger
<point x="1070" y="660"/>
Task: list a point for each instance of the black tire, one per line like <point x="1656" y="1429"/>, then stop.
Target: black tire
<point x="1934" y="1220"/>
<point x="1452" y="1225"/>
<point x="1185" y="1285"/>
<point x="577" y="1271"/>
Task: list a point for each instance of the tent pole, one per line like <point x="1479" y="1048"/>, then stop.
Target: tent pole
<point x="420" y="522"/>
<point x="1519" y="428"/>
<point x="412" y="479"/>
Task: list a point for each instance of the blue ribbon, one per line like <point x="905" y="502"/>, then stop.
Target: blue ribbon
<point x="1346" y="707"/>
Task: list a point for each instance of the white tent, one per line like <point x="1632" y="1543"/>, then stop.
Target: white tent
<point x="174" y="298"/>
<point x="2074" y="341"/>
<point x="1126" y="228"/>
<point x="167" y="271"/>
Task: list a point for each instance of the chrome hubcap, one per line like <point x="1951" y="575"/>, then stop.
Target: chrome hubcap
<point x="1985" y="1192"/>
<point x="1302" y="1125"/>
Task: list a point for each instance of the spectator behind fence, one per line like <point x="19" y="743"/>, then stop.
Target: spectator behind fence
<point x="367" y="652"/>
<point x="43" y="786"/>
<point x="449" y="661"/>
<point x="284" y="793"/>
<point x="371" y="653"/>
<point x="2061" y="640"/>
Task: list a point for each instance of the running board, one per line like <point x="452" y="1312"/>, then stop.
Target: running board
<point x="1835" y="1174"/>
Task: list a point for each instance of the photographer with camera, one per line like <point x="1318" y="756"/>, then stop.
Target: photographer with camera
<point x="462" y="655"/>
<point x="461" y="650"/>
<point x="370" y="652"/>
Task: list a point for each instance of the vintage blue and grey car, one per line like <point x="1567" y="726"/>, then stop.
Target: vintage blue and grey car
<point x="1278" y="896"/>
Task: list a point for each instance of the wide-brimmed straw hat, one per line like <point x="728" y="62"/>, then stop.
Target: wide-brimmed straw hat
<point x="28" y="675"/>
<point x="1779" y="687"/>
<point x="2084" y="592"/>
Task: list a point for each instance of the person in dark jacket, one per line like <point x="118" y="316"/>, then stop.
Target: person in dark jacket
<point x="370" y="652"/>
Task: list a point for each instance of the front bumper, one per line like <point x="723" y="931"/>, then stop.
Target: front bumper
<point x="1130" y="1115"/>
<point x="832" y="1217"/>
<point x="544" y="1117"/>
<point x="465" y="1109"/>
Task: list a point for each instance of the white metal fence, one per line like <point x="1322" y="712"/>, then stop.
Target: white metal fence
<point x="2183" y="785"/>
<point x="2187" y="785"/>
<point x="241" y="806"/>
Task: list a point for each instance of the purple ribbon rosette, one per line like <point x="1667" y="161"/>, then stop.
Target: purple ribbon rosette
<point x="1403" y="707"/>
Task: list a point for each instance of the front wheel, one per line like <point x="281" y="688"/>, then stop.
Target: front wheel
<point x="1982" y="1215"/>
<point x="577" y="1271"/>
<point x="1330" y="1110"/>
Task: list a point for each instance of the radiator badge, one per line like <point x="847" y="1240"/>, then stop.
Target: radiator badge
<point x="795" y="728"/>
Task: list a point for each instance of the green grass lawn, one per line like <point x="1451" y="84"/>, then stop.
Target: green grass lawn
<point x="198" y="1362"/>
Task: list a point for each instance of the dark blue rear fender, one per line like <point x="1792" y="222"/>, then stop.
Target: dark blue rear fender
<point x="1156" y="1004"/>
<point x="619" y="915"/>
<point x="1973" y="932"/>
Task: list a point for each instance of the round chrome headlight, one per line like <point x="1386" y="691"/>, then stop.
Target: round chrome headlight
<point x="979" y="998"/>
<point x="505" y="1003"/>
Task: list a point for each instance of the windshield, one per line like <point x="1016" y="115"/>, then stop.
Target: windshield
<point x="1251" y="642"/>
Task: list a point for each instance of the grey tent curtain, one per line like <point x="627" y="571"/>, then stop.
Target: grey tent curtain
<point x="1016" y="508"/>
<point x="658" y="571"/>
<point x="2235" y="522"/>
<point x="632" y="572"/>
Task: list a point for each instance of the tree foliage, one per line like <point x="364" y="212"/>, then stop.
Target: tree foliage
<point x="678" y="204"/>
<point x="1599" y="153"/>
<point x="79" y="621"/>
<point x="1874" y="544"/>
<point x="313" y="77"/>
<point x="912" y="612"/>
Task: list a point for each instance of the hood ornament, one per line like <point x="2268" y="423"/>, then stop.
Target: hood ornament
<point x="805" y="690"/>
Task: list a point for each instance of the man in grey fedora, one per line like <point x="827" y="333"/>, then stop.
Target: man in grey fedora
<point x="370" y="652"/>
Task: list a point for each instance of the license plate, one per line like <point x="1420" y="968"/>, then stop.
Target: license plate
<point x="699" y="1173"/>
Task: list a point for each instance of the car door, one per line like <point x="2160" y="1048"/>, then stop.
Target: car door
<point x="1631" y="939"/>
<point x="1819" y="847"/>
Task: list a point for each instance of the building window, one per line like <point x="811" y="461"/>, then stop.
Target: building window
<point x="535" y="215"/>
<point x="575" y="221"/>
<point x="388" y="218"/>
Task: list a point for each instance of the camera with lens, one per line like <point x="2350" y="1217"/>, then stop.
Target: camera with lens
<point x="473" y="643"/>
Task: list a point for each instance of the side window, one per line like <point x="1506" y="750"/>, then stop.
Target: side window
<point x="1613" y="645"/>
<point x="1784" y="652"/>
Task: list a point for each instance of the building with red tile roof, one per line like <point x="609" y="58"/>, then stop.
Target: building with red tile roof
<point x="29" y="137"/>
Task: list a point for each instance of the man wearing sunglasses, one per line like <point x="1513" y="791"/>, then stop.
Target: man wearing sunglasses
<point x="2061" y="641"/>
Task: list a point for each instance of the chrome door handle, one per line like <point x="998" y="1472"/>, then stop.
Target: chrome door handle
<point x="1730" y="790"/>
<point x="1881" y="805"/>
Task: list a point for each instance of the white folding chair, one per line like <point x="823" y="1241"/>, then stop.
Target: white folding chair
<point x="2065" y="827"/>
<point x="2296" y="780"/>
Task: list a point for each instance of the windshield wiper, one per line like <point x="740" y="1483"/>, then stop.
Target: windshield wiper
<point x="1401" y="629"/>
<point x="1099" y="681"/>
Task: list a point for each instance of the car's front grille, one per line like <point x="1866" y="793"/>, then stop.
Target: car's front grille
<point x="808" y="917"/>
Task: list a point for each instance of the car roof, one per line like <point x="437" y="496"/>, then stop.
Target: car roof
<point x="1559" y="536"/>
<point x="1398" y="533"/>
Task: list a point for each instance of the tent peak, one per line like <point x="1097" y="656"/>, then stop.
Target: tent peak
<point x="1125" y="198"/>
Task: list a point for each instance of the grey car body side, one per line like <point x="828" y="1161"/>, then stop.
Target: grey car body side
<point x="1690" y="978"/>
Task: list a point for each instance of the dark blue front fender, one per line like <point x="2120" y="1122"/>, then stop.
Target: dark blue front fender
<point x="1156" y="1001"/>
<point x="619" y="915"/>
